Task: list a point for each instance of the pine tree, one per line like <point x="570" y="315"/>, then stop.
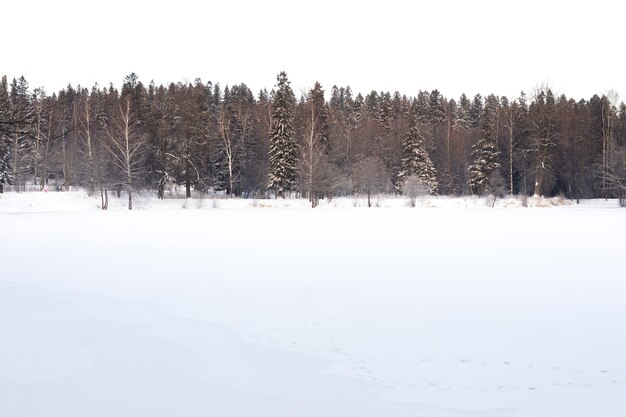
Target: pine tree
<point x="282" y="151"/>
<point x="415" y="161"/>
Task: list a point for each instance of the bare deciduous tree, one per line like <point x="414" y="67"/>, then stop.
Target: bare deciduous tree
<point x="414" y="187"/>
<point x="370" y="176"/>
<point x="125" y="145"/>
<point x="317" y="176"/>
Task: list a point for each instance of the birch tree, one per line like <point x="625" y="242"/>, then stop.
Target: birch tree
<point x="316" y="173"/>
<point x="609" y="117"/>
<point x="125" y="145"/>
<point x="226" y="121"/>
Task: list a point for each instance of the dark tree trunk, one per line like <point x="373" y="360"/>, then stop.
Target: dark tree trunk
<point x="187" y="180"/>
<point x="104" y="197"/>
<point x="161" y="189"/>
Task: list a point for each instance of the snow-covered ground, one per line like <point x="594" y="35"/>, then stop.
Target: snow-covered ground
<point x="224" y="309"/>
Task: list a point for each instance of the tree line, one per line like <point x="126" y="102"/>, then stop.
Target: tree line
<point x="203" y="137"/>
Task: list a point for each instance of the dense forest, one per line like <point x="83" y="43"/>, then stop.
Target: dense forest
<point x="209" y="139"/>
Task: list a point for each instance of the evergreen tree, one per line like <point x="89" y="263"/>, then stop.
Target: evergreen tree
<point x="462" y="115"/>
<point x="21" y="119"/>
<point x="396" y="105"/>
<point x="485" y="159"/>
<point x="543" y="138"/>
<point x="316" y="95"/>
<point x="371" y="103"/>
<point x="490" y="119"/>
<point x="357" y="112"/>
<point x="422" y="107"/>
<point x="415" y="161"/>
<point x="484" y="152"/>
<point x="385" y="113"/>
<point x="436" y="111"/>
<point x="6" y="176"/>
<point x="337" y="97"/>
<point x="282" y="151"/>
<point x="476" y="108"/>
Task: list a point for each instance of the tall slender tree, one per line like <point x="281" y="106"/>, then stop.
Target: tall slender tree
<point x="6" y="176"/>
<point x="544" y="132"/>
<point x="484" y="152"/>
<point x="282" y="174"/>
<point x="126" y="141"/>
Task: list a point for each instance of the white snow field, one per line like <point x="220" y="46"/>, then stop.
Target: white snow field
<point x="215" y="310"/>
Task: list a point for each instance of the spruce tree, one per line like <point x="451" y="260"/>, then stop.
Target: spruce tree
<point x="422" y="107"/>
<point x="475" y="110"/>
<point x="485" y="163"/>
<point x="436" y="111"/>
<point x="484" y="152"/>
<point x="385" y="111"/>
<point x="317" y="97"/>
<point x="21" y="106"/>
<point x="5" y="140"/>
<point x="462" y="115"/>
<point x="415" y="161"/>
<point x="282" y="143"/>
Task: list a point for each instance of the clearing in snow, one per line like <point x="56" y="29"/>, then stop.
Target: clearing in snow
<point x="282" y="312"/>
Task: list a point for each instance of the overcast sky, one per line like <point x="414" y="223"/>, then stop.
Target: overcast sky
<point x="499" y="47"/>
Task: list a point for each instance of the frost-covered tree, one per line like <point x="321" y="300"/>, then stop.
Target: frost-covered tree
<point x="385" y="113"/>
<point x="416" y="161"/>
<point x="370" y="176"/>
<point x="437" y="112"/>
<point x="413" y="187"/>
<point x="475" y="110"/>
<point x="421" y="107"/>
<point x="282" y="151"/>
<point x="544" y="132"/>
<point x="462" y="117"/>
<point x="484" y="152"/>
<point x="485" y="163"/>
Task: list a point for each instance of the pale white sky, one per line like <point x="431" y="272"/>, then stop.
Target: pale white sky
<point x="456" y="46"/>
